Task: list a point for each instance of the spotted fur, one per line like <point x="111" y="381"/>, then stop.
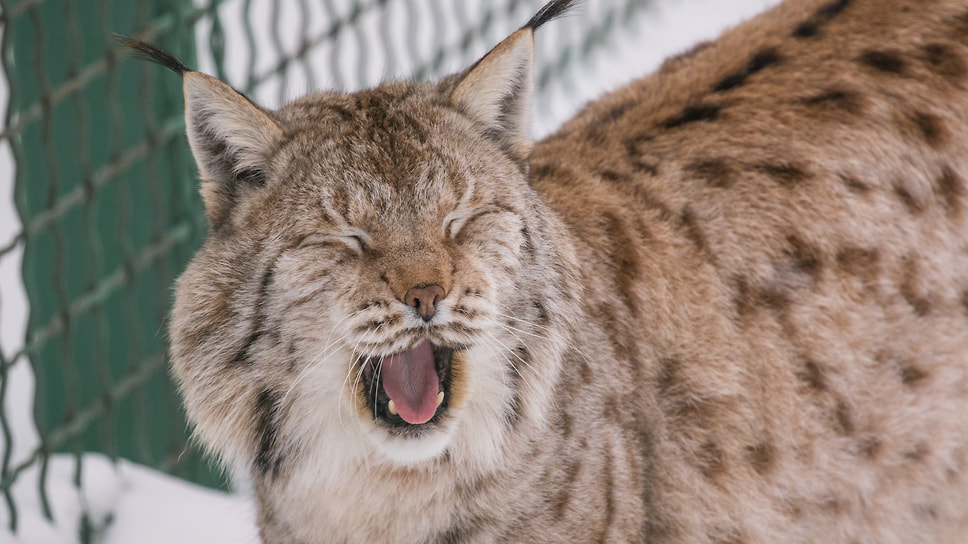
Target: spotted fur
<point x="727" y="303"/>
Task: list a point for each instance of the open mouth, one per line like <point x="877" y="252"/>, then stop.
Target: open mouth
<point x="411" y="387"/>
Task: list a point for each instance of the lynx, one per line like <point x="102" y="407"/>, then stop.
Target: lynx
<point x="727" y="303"/>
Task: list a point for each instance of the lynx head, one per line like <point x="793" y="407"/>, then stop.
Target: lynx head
<point x="380" y="284"/>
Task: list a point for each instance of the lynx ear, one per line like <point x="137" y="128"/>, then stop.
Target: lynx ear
<point x="232" y="140"/>
<point x="496" y="92"/>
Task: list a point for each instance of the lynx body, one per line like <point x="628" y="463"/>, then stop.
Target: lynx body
<point x="727" y="303"/>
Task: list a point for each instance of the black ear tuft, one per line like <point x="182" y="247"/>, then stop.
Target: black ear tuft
<point x="551" y="10"/>
<point x="147" y="51"/>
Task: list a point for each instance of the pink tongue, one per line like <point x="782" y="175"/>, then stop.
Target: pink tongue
<point x="410" y="380"/>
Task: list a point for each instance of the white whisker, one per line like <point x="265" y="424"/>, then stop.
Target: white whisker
<point x="553" y="334"/>
<point x="320" y="357"/>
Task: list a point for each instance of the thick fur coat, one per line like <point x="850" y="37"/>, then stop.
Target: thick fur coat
<point x="727" y="303"/>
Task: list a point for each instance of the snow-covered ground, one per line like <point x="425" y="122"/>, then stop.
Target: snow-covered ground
<point x="130" y="504"/>
<point x="127" y="503"/>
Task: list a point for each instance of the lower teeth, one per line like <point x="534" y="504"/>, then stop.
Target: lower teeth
<point x="392" y="408"/>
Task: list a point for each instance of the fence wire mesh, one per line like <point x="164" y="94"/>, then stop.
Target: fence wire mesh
<point x="104" y="187"/>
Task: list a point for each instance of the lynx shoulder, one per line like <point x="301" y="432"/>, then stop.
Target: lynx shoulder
<point x="726" y="303"/>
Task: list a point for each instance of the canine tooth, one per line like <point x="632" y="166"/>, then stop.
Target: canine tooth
<point x="392" y="408"/>
<point x="440" y="398"/>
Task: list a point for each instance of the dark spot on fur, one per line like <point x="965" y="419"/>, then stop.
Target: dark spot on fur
<point x="689" y="409"/>
<point x="644" y="198"/>
<point x="711" y="460"/>
<point x="244" y="355"/>
<point x="806" y="258"/>
<point x="837" y="104"/>
<point x="759" y="61"/>
<point x="692" y="114"/>
<point x="854" y="185"/>
<point x="585" y="371"/>
<point x="806" y="29"/>
<point x="522" y="356"/>
<point x="455" y="535"/>
<point x="569" y="475"/>
<point x="932" y="128"/>
<point x="942" y="60"/>
<point x="762" y="59"/>
<point x="612" y="176"/>
<point x="635" y="141"/>
<point x="811" y="27"/>
<point x="715" y="172"/>
<point x="929" y="511"/>
<point x="918" y="453"/>
<point x="565" y="426"/>
<point x="913" y="205"/>
<point x="833" y="95"/>
<point x="844" y="419"/>
<point x="345" y="114"/>
<point x="625" y="260"/>
<point x="762" y="456"/>
<point x="859" y="262"/>
<point x="813" y="376"/>
<point x="833" y="505"/>
<point x="542" y="317"/>
<point x="773" y="299"/>
<point x="691" y="224"/>
<point x="512" y="412"/>
<point x="728" y="535"/>
<point x="911" y="277"/>
<point x="465" y="311"/>
<point x="731" y="81"/>
<point x="616" y="112"/>
<point x="609" y="490"/>
<point x="951" y="187"/>
<point x="785" y="174"/>
<point x="559" y="175"/>
<point x="645" y="167"/>
<point x="912" y="375"/>
<point x="667" y="378"/>
<point x="633" y="150"/>
<point x="677" y="61"/>
<point x="794" y="508"/>
<point x="890" y="62"/>
<point x="870" y="447"/>
<point x="749" y="299"/>
<point x="267" y="458"/>
<point x="960" y="24"/>
<point x="831" y="10"/>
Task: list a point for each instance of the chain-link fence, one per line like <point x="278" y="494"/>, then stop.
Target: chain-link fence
<point x="107" y="212"/>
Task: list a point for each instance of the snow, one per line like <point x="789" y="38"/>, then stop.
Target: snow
<point x="127" y="503"/>
<point x="98" y="496"/>
<point x="161" y="509"/>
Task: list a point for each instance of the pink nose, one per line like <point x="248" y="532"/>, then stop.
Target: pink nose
<point x="424" y="298"/>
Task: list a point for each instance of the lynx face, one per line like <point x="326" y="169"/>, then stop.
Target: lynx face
<point x="376" y="263"/>
<point x="398" y="263"/>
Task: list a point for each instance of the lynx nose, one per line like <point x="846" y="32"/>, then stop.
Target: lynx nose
<point x="423" y="298"/>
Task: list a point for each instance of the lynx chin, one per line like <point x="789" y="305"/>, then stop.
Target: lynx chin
<point x="727" y="303"/>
